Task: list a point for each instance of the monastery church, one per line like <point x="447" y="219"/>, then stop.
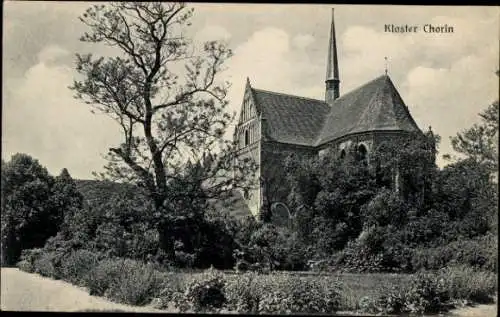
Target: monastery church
<point x="273" y="125"/>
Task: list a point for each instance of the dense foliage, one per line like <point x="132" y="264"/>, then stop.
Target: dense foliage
<point x="352" y="218"/>
<point x="34" y="205"/>
<point x="397" y="213"/>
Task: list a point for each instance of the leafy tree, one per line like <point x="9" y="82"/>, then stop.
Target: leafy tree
<point x="66" y="197"/>
<point x="408" y="165"/>
<point x="386" y="208"/>
<point x="165" y="94"/>
<point x="464" y="192"/>
<point x="275" y="248"/>
<point x="480" y="142"/>
<point x="335" y="198"/>
<point x="479" y="146"/>
<point x="120" y="226"/>
<point x="328" y="212"/>
<point x="29" y="215"/>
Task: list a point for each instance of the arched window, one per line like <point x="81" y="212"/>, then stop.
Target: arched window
<point x="247" y="138"/>
<point x="342" y="154"/>
<point x="362" y="153"/>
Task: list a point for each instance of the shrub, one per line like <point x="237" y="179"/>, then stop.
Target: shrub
<point x="171" y="284"/>
<point x="25" y="266"/>
<point x="77" y="265"/>
<point x="359" y="258"/>
<point x="480" y="253"/>
<point x="275" y="248"/>
<point x="243" y="293"/>
<point x="99" y="278"/>
<point x="44" y="262"/>
<point x="27" y="260"/>
<point x="292" y="294"/>
<point x="426" y="293"/>
<point x="390" y="302"/>
<point x="203" y="294"/>
<point x="464" y="283"/>
<point x="44" y="265"/>
<point x="136" y="284"/>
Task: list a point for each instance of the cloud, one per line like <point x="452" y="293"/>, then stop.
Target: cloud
<point x="272" y="61"/>
<point x="51" y="53"/>
<point x="211" y="33"/>
<point x="363" y="60"/>
<point x="262" y="58"/>
<point x="437" y="98"/>
<point x="44" y="120"/>
<point x="302" y="41"/>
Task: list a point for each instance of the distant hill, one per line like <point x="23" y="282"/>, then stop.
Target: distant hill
<point x="101" y="191"/>
<point x="93" y="190"/>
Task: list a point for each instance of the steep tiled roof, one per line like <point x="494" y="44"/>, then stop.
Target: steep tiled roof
<point x="375" y="106"/>
<point x="290" y="119"/>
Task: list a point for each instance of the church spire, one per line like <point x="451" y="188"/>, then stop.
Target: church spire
<point x="332" y="69"/>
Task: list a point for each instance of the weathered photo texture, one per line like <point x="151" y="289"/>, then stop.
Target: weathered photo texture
<point x="249" y="158"/>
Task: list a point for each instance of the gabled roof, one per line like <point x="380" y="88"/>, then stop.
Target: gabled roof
<point x="375" y="106"/>
<point x="290" y="119"/>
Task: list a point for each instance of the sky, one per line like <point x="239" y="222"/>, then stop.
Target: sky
<point x="445" y="79"/>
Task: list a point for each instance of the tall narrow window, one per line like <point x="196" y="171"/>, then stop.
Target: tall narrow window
<point x="247" y="138"/>
<point x="362" y="153"/>
<point x="342" y="154"/>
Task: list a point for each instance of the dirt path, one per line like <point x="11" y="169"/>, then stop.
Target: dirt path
<point x="476" y="311"/>
<point x="22" y="291"/>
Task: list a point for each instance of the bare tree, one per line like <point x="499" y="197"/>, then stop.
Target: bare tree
<point x="166" y="96"/>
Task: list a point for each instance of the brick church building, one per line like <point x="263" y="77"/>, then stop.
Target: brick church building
<point x="272" y="125"/>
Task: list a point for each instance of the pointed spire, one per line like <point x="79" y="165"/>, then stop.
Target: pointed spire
<point x="332" y="71"/>
<point x="332" y="68"/>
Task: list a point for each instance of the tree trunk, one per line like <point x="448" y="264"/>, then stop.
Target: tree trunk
<point x="165" y="238"/>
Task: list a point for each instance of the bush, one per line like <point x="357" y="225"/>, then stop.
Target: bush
<point x="77" y="265"/>
<point x="390" y="302"/>
<point x="136" y="284"/>
<point x="45" y="266"/>
<point x="25" y="266"/>
<point x="171" y="284"/>
<point x="464" y="283"/>
<point x="203" y="294"/>
<point x="27" y="260"/>
<point x="359" y="258"/>
<point x="426" y="293"/>
<point x="292" y="294"/>
<point x="100" y="278"/>
<point x="480" y="253"/>
<point x="243" y="293"/>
